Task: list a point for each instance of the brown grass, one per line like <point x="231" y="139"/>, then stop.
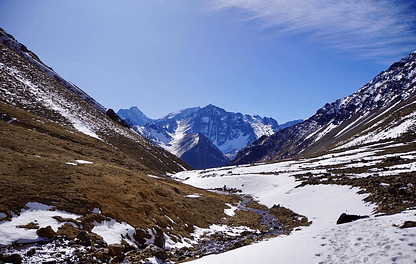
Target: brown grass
<point x="33" y="157"/>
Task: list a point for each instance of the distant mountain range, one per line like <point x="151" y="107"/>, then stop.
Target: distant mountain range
<point x="382" y="110"/>
<point x="210" y="128"/>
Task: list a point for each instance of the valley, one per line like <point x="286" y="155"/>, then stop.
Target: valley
<point x="78" y="184"/>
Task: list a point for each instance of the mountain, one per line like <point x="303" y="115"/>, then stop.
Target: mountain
<point x="383" y="109"/>
<point x="228" y="131"/>
<point x="134" y="116"/>
<point x="198" y="151"/>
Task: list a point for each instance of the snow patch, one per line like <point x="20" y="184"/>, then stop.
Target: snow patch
<point x="37" y="213"/>
<point x="113" y="232"/>
<point x="230" y="211"/>
<point x="195" y="195"/>
<point x="84" y="162"/>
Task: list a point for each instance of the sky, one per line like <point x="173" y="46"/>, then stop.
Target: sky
<point x="277" y="58"/>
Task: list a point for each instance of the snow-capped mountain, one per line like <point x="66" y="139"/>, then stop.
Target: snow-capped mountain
<point x="228" y="131"/>
<point x="134" y="116"/>
<point x="382" y="109"/>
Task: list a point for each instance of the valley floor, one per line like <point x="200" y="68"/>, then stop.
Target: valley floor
<point x="377" y="239"/>
<point x="376" y="181"/>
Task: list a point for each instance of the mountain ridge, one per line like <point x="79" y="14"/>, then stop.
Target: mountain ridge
<point x="227" y="131"/>
<point x="335" y="124"/>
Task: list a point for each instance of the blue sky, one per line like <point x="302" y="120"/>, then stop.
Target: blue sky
<point x="283" y="59"/>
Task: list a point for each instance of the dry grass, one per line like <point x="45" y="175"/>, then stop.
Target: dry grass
<point x="33" y="157"/>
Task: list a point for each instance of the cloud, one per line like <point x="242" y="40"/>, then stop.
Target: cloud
<point x="367" y="28"/>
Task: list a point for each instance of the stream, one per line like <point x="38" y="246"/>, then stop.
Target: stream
<point x="221" y="242"/>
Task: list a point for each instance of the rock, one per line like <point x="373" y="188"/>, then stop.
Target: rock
<point x="140" y="236"/>
<point x="101" y="242"/>
<point x="346" y="218"/>
<point x="31" y="252"/>
<point x="15" y="259"/>
<point x="115" y="249"/>
<point x="68" y="230"/>
<point x="110" y="113"/>
<point x="127" y="247"/>
<point x="49" y="262"/>
<point x="408" y="224"/>
<point x="46" y="232"/>
<point x="159" y="238"/>
<point x="82" y="236"/>
<point x="31" y="225"/>
<point x="103" y="255"/>
<point x="156" y="251"/>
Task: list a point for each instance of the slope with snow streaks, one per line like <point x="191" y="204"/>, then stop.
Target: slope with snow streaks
<point x="22" y="50"/>
<point x="346" y="119"/>
<point x="28" y="84"/>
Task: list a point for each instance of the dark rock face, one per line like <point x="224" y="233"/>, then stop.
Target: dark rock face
<point x="203" y="154"/>
<point x="111" y="114"/>
<point x="346" y="218"/>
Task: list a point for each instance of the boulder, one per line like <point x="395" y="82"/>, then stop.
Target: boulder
<point x="140" y="236"/>
<point x="156" y="251"/>
<point x="85" y="240"/>
<point x="159" y="238"/>
<point x="46" y="232"/>
<point x="346" y="218"/>
<point x="408" y="224"/>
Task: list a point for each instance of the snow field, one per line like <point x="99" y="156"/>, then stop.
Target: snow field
<point x="369" y="240"/>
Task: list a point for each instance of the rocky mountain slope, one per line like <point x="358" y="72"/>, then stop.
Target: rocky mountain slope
<point x="199" y="152"/>
<point x="382" y="109"/>
<point x="228" y="131"/>
<point x="76" y="177"/>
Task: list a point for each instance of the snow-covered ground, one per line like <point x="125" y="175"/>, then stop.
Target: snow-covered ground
<point x="43" y="216"/>
<point x="376" y="239"/>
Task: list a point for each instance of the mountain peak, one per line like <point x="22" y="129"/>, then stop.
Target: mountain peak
<point x="134" y="116"/>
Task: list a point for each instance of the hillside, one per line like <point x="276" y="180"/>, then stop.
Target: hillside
<point x="382" y="109"/>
